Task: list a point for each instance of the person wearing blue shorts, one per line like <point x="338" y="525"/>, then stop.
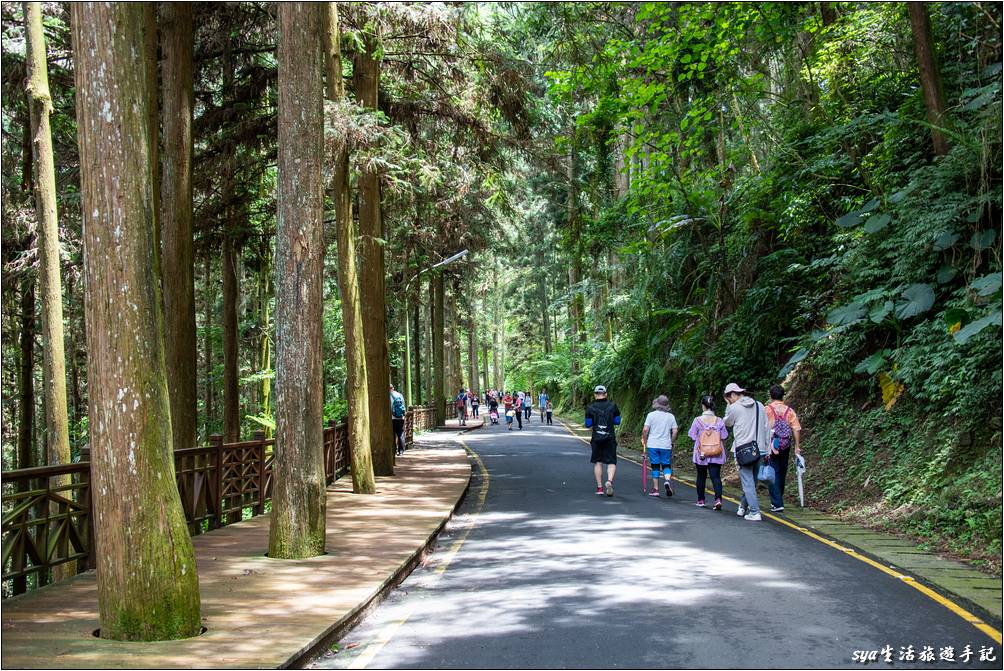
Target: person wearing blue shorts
<point x="657" y="437"/>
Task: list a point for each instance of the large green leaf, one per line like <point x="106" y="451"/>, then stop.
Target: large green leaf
<point x="983" y="239"/>
<point x="963" y="335"/>
<point x="795" y="358"/>
<point x="873" y="364"/>
<point x="946" y="274"/>
<point x="849" y="220"/>
<point x="917" y="299"/>
<point x="881" y="311"/>
<point x="987" y="285"/>
<point x="846" y="314"/>
<point x="944" y="240"/>
<point x="877" y="222"/>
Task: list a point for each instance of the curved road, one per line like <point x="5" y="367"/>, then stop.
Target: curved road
<point x="544" y="573"/>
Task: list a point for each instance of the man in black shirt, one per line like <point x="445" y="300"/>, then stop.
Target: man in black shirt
<point x="602" y="416"/>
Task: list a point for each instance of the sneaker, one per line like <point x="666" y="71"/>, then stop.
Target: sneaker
<point x="654" y="492"/>
<point x="752" y="517"/>
<point x="599" y="491"/>
<point x="741" y="511"/>
<point x="700" y="504"/>
<point x="609" y="488"/>
<point x="669" y="488"/>
<point x="777" y="509"/>
<point x="718" y="504"/>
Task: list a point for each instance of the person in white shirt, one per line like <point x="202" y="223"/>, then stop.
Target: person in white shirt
<point x="657" y="438"/>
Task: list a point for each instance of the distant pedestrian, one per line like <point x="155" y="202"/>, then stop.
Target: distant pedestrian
<point x="475" y="404"/>
<point x="602" y="416"/>
<point x="549" y="411"/>
<point x="785" y="431"/>
<point x="709" y="435"/>
<point x="657" y="438"/>
<point x="750" y="435"/>
<point x="397" y="412"/>
<point x="460" y="403"/>
<point x="509" y="415"/>
<point x="528" y="405"/>
<point x="542" y="399"/>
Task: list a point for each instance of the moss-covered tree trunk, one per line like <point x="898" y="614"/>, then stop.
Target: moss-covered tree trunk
<point x="930" y="74"/>
<point x="296" y="527"/>
<point x="231" y="289"/>
<point x="57" y="424"/>
<point x="357" y="380"/>
<point x="177" y="257"/>
<point x="147" y="585"/>
<point x="439" y="395"/>
<point x="372" y="283"/>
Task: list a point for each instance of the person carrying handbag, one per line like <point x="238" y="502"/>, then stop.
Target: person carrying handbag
<point x="709" y="435"/>
<point x="750" y="443"/>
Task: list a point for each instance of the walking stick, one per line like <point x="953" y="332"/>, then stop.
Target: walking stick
<point x="799" y="469"/>
<point x="644" y="471"/>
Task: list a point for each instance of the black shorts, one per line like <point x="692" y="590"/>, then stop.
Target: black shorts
<point x="398" y="423"/>
<point x="604" y="453"/>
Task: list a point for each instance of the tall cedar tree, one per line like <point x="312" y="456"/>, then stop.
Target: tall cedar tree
<point x="147" y="583"/>
<point x="366" y="71"/>
<point x="296" y="527"/>
<point x="357" y="382"/>
<point x="57" y="424"/>
<point x="176" y="219"/>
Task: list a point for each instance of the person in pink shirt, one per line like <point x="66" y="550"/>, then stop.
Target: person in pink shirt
<point x="709" y="434"/>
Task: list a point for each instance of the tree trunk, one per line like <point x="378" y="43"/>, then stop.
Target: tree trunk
<point x="231" y="399"/>
<point x="417" y="335"/>
<point x="210" y="305"/>
<point x="439" y="394"/>
<point x="472" y="354"/>
<point x="366" y="72"/>
<point x="930" y="74"/>
<point x="147" y="583"/>
<point x="484" y="366"/>
<point x="176" y="221"/>
<point x="427" y="360"/>
<point x="57" y="424"/>
<point x="26" y="377"/>
<point x="296" y="527"/>
<point x="497" y="380"/>
<point x="357" y="382"/>
<point x="153" y="126"/>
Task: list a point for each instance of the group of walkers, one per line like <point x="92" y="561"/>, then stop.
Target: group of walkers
<point x="513" y="406"/>
<point x="762" y="438"/>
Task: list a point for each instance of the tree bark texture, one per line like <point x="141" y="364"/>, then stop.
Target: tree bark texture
<point x="930" y="74"/>
<point x="296" y="528"/>
<point x="177" y="257"/>
<point x="231" y="390"/>
<point x="357" y="378"/>
<point x="147" y="583"/>
<point x="472" y="355"/>
<point x="417" y="346"/>
<point x="372" y="283"/>
<point x="57" y="425"/>
<point x="439" y="393"/>
<point x="210" y="305"/>
<point x="26" y="377"/>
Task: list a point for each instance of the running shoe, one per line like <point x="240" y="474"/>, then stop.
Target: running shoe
<point x="741" y="512"/>
<point x="669" y="488"/>
<point x="718" y="504"/>
<point x="609" y="488"/>
<point x="599" y="491"/>
<point x="700" y="504"/>
<point x="777" y="509"/>
<point x="752" y="517"/>
<point x="654" y="492"/>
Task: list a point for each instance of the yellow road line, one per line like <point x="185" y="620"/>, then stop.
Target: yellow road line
<point x="387" y="633"/>
<point x="972" y="619"/>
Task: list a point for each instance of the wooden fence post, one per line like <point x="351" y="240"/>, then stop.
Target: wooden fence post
<point x="259" y="437"/>
<point x="216" y="497"/>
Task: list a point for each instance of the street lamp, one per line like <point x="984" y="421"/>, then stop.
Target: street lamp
<point x="407" y="330"/>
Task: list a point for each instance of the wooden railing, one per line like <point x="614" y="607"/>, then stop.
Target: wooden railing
<point x="46" y="524"/>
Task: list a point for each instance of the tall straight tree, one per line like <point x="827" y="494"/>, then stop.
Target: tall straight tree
<point x="57" y="426"/>
<point x="231" y="286"/>
<point x="439" y="392"/>
<point x="296" y="528"/>
<point x="930" y="74"/>
<point x="357" y="382"/>
<point x="177" y="257"/>
<point x="147" y="585"/>
<point x="366" y="72"/>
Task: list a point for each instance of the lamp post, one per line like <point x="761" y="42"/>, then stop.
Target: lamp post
<point x="407" y="329"/>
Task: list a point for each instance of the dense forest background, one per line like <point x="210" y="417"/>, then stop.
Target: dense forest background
<point x="661" y="198"/>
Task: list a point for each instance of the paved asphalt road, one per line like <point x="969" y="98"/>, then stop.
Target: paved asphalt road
<point x="551" y="575"/>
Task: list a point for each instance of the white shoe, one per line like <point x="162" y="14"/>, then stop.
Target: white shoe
<point x="753" y="517"/>
<point x="741" y="511"/>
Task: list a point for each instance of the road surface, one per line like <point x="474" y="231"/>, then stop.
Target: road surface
<point x="538" y="571"/>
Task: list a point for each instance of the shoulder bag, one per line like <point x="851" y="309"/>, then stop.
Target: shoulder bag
<point x="749" y="453"/>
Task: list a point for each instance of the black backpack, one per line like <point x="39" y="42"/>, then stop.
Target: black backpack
<point x="603" y="422"/>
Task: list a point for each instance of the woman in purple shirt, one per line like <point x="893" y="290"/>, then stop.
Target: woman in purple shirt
<point x="704" y="431"/>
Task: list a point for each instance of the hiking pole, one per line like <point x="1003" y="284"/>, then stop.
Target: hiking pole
<point x="644" y="471"/>
<point x="799" y="469"/>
